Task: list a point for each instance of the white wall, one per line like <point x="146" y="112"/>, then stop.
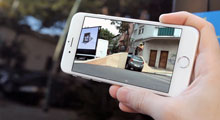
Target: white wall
<point x="148" y="32"/>
<point x="165" y="44"/>
<point x="161" y="45"/>
<point x="36" y="50"/>
<point x="102" y="48"/>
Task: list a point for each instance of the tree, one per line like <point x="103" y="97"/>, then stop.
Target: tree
<point x="106" y="34"/>
<point x="48" y="11"/>
<point x="52" y="11"/>
<point x="123" y="28"/>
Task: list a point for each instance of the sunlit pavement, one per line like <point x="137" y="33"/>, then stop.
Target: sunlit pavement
<point x="153" y="70"/>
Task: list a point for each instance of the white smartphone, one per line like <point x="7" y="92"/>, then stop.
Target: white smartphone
<point x="130" y="52"/>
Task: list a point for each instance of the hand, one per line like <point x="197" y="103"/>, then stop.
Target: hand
<point x="201" y="100"/>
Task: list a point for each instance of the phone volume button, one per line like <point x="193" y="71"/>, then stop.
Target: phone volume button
<point x="74" y="76"/>
<point x="71" y="44"/>
<point x="95" y="80"/>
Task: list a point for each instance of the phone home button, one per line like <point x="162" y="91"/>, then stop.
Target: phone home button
<point x="183" y="62"/>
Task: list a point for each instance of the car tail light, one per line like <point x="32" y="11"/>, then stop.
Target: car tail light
<point x="142" y="62"/>
<point x="132" y="60"/>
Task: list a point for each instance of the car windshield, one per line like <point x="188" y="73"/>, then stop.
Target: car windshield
<point x="137" y="58"/>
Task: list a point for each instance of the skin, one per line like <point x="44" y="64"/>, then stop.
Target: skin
<point x="201" y="100"/>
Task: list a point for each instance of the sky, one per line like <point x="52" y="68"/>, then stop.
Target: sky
<point x="36" y="24"/>
<point x="177" y="32"/>
<point x="105" y="23"/>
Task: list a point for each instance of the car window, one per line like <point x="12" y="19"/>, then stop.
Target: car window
<point x="137" y="58"/>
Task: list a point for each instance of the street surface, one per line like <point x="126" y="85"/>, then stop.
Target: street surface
<point x="14" y="111"/>
<point x="146" y="80"/>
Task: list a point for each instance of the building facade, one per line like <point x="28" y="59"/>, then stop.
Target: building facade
<point x="37" y="49"/>
<point x="159" y="45"/>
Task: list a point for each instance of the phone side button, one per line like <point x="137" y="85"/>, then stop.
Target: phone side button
<point x="183" y="62"/>
<point x="74" y="76"/>
<point x="95" y="80"/>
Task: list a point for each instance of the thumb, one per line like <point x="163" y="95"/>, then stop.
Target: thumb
<point x="142" y="100"/>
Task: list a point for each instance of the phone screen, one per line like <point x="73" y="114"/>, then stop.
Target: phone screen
<point x="143" y="55"/>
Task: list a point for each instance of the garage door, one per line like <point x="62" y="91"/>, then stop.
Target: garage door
<point x="163" y="59"/>
<point x="153" y="57"/>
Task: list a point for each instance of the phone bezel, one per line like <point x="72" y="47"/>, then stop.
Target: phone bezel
<point x="181" y="76"/>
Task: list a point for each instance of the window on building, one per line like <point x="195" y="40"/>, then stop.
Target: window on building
<point x="166" y="31"/>
<point x="141" y="30"/>
<point x="135" y="32"/>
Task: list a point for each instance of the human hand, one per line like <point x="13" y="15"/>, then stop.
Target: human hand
<point x="201" y="100"/>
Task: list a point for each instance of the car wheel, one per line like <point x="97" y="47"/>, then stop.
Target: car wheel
<point x="127" y="67"/>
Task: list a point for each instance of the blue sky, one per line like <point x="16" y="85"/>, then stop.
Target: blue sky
<point x="36" y="24"/>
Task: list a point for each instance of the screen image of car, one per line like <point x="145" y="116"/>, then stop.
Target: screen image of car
<point x="139" y="54"/>
<point x="134" y="63"/>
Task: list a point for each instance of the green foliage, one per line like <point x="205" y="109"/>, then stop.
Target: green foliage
<point x="106" y="34"/>
<point x="48" y="11"/>
<point x="91" y="6"/>
<point x="121" y="26"/>
<point x="115" y="46"/>
<point x="124" y="27"/>
<point x="51" y="11"/>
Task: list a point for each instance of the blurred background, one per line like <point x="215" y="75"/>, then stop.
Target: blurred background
<point x="32" y="33"/>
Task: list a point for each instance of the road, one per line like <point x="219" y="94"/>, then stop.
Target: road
<point x="146" y="80"/>
<point x="14" y="111"/>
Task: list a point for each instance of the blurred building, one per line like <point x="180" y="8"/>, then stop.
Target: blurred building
<point x="196" y="5"/>
<point x="37" y="49"/>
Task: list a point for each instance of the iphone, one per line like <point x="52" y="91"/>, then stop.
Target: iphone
<point x="130" y="52"/>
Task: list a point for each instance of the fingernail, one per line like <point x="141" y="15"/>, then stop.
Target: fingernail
<point x="122" y="94"/>
<point x="161" y="16"/>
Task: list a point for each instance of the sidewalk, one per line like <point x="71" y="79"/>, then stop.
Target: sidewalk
<point x="149" y="69"/>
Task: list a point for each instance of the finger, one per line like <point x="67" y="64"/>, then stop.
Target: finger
<point x="113" y="90"/>
<point x="141" y="100"/>
<point x="208" y="37"/>
<point x="208" y="49"/>
<point x="126" y="108"/>
<point x="183" y="18"/>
